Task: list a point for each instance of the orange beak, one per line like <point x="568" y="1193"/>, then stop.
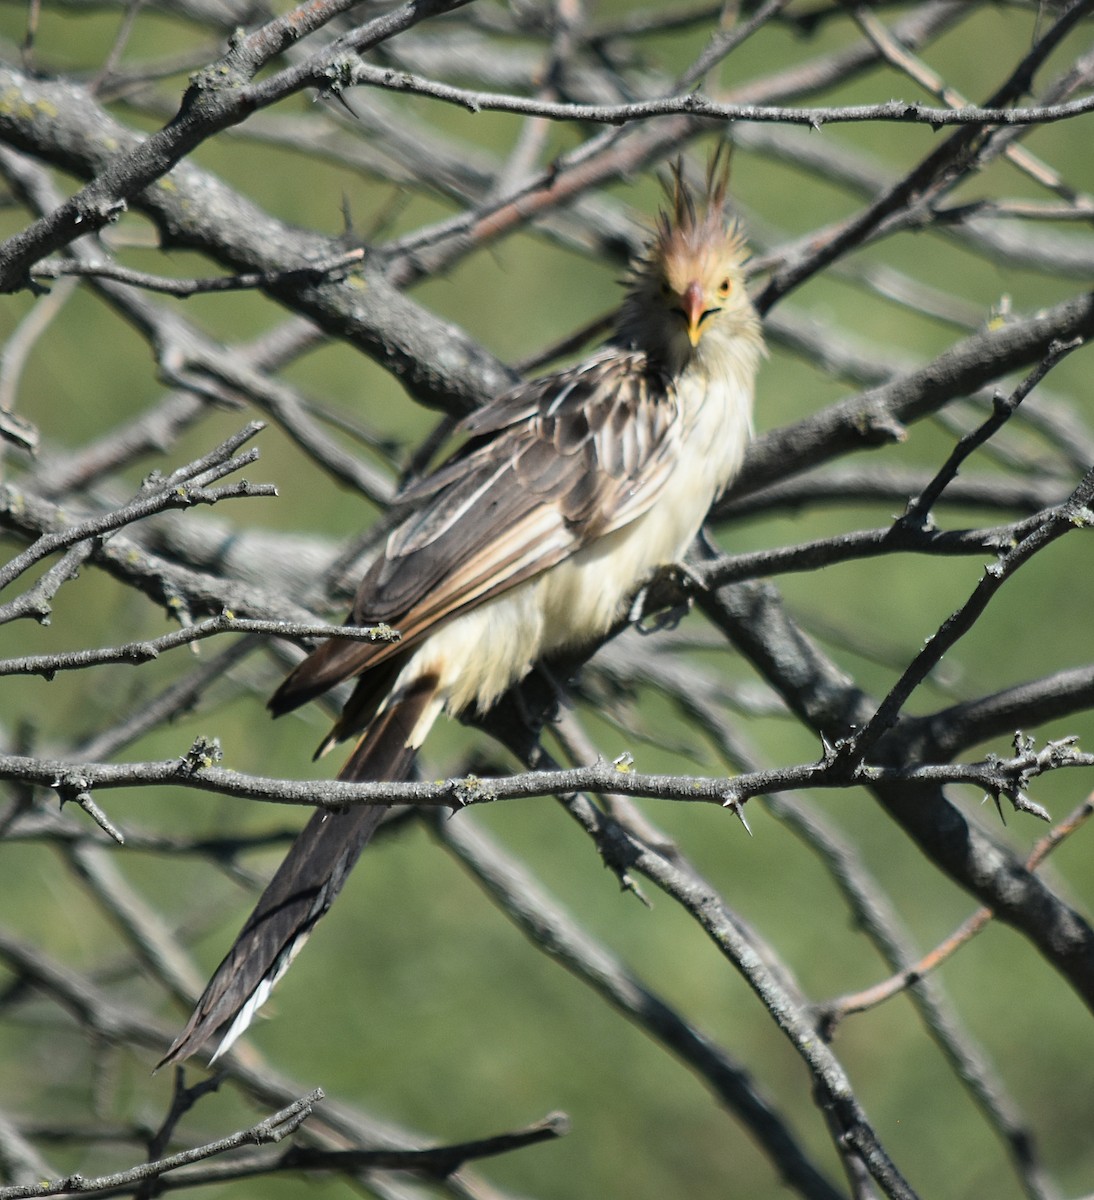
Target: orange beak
<point x="693" y="308"/>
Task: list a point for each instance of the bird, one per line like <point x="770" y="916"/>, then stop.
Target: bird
<point x="567" y="494"/>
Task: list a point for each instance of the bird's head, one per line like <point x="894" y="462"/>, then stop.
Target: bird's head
<point x="687" y="293"/>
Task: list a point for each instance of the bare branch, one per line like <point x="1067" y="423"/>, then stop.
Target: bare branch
<point x="196" y="770"/>
<point x="135" y="653"/>
<point x="942" y="249"/>
<point x="834" y="1011"/>
<point x="694" y="104"/>
<point x="273" y="1129"/>
<point x="220" y="96"/>
<point x="185" y="488"/>
<point x="1074" y="513"/>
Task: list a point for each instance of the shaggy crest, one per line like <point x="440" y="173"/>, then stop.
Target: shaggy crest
<point x="697" y="229"/>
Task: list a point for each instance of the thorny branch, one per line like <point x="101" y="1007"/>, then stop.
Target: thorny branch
<point x="196" y="770"/>
<point x="272" y="1129"/>
<point x="47" y="665"/>
<point x="400" y="119"/>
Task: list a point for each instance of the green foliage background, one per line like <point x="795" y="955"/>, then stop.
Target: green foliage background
<point x="416" y="999"/>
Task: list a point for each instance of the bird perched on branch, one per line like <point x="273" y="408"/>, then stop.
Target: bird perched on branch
<point x="568" y="494"/>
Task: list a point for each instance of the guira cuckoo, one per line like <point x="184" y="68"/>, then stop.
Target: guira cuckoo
<point x="568" y="493"/>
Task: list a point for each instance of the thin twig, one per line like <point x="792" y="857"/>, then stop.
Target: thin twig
<point x="831" y="1012"/>
<point x="135" y="653"/>
<point x="273" y="1129"/>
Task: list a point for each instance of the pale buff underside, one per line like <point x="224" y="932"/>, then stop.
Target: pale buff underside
<point x="478" y="655"/>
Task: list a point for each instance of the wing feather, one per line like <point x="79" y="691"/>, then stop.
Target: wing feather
<point x="547" y="468"/>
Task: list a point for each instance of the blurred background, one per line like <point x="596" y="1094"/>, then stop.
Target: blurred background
<point x="417" y="1001"/>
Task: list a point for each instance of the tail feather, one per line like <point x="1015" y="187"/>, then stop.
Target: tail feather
<point x="307" y="881"/>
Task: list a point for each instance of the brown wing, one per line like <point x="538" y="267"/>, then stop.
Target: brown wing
<point x="548" y="468"/>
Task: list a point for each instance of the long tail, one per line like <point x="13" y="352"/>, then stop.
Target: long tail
<point x="307" y="881"/>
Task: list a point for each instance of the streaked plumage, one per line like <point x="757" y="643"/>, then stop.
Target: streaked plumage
<point x="533" y="537"/>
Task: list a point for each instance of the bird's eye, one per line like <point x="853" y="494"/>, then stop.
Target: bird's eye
<point x="665" y="289"/>
<point x="723" y="287"/>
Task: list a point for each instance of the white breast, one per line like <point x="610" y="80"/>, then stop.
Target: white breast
<point x="478" y="655"/>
